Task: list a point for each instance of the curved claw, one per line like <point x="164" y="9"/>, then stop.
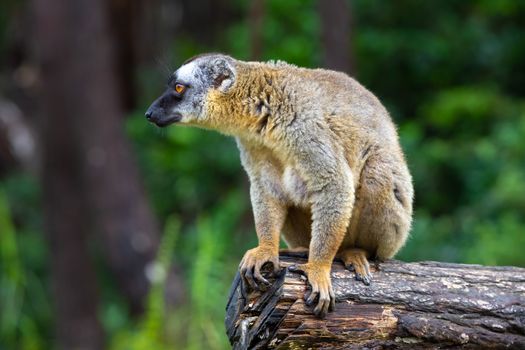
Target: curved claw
<point x="355" y="260"/>
<point x="297" y="269"/>
<point x="363" y="278"/>
<point x="250" y="268"/>
<point x="249" y="278"/>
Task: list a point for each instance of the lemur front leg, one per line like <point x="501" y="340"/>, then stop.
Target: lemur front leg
<point x="331" y="190"/>
<point x="269" y="214"/>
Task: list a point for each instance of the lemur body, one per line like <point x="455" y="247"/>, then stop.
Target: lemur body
<point x="322" y="155"/>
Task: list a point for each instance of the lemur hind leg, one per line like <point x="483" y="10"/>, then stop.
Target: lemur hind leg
<point x="356" y="259"/>
<point x="382" y="215"/>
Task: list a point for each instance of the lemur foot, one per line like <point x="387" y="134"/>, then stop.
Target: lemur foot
<point x="355" y="260"/>
<point x="251" y="264"/>
<point x="320" y="287"/>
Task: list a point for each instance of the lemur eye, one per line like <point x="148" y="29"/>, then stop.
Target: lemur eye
<point x="179" y="88"/>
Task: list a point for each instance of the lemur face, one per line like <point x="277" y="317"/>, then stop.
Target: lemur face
<point x="185" y="96"/>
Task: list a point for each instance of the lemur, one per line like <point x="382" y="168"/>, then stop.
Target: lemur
<point x="322" y="155"/>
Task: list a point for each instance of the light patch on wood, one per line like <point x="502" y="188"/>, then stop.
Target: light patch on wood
<point x="464" y="338"/>
<point x="387" y="323"/>
<point x="408" y="340"/>
<point x="454" y="284"/>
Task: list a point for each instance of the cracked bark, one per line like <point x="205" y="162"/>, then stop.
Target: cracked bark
<point x="408" y="305"/>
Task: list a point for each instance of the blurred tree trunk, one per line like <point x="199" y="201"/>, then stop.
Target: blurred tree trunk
<point x="137" y="34"/>
<point x="204" y="20"/>
<point x="88" y="171"/>
<point x="256" y="18"/>
<point x="66" y="222"/>
<point x="129" y="232"/>
<point x="335" y="16"/>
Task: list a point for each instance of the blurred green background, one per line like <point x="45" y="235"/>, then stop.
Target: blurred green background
<point x="452" y="74"/>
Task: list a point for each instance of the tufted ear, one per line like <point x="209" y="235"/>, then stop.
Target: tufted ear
<point x="223" y="74"/>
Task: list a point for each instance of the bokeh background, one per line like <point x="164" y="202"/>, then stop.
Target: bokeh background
<point x="116" y="234"/>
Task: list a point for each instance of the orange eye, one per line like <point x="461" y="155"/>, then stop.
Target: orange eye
<point x="179" y="88"/>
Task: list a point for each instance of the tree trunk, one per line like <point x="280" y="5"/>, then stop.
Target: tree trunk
<point x="59" y="33"/>
<point x="407" y="306"/>
<point x="256" y="19"/>
<point x="129" y="232"/>
<point x="89" y="178"/>
<point x="335" y="35"/>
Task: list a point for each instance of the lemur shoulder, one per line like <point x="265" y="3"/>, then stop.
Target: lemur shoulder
<point x="322" y="154"/>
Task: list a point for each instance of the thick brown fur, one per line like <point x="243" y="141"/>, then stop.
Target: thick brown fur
<point x="325" y="167"/>
<point x="324" y="161"/>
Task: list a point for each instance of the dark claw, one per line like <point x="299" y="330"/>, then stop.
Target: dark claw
<point x="307" y="294"/>
<point x="250" y="280"/>
<point x="243" y="289"/>
<point x="293" y="268"/>
<point x="311" y="298"/>
<point x="264" y="283"/>
<point x="297" y="269"/>
<point x="244" y="282"/>
<point x="321" y="309"/>
<point x="332" y="301"/>
<point x="259" y="278"/>
<point x="364" y="279"/>
<point x="332" y="304"/>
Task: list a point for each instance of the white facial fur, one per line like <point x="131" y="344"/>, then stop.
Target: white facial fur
<point x="186" y="73"/>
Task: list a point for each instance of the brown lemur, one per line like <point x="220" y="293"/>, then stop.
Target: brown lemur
<point x="323" y="158"/>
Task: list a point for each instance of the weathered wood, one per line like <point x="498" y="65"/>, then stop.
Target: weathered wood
<point x="408" y="305"/>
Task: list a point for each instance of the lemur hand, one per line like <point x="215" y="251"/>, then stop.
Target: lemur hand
<point x="251" y="264"/>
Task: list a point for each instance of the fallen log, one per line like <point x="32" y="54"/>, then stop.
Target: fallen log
<point x="408" y="305"/>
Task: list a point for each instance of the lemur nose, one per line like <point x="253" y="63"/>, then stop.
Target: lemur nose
<point x="148" y="115"/>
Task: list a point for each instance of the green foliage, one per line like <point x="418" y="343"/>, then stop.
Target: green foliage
<point x="25" y="310"/>
<point x="214" y="265"/>
<point x="197" y="324"/>
<point x="12" y="277"/>
<point x="178" y="165"/>
<point x="290" y="32"/>
<point x="150" y="333"/>
<point x="469" y="185"/>
<point x="22" y="301"/>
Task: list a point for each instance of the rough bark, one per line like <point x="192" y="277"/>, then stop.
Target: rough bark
<point x="408" y="305"/>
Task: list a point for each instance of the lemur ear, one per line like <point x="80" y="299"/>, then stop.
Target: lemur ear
<point x="223" y="74"/>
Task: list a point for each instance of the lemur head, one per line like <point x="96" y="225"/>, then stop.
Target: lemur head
<point x="185" y="96"/>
